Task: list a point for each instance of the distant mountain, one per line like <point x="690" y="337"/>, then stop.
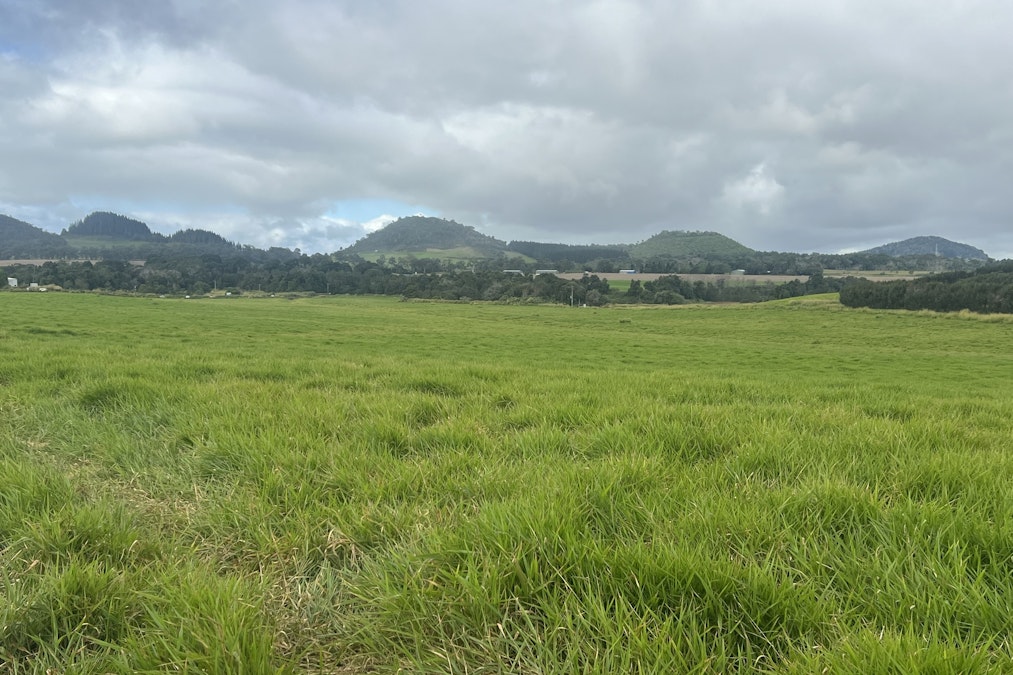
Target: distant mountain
<point x="19" y="239"/>
<point x="109" y="236"/>
<point x="944" y="248"/>
<point x="113" y="226"/>
<point x="687" y="244"/>
<point x="429" y="237"/>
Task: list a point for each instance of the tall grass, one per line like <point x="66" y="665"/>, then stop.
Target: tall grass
<point x="350" y="485"/>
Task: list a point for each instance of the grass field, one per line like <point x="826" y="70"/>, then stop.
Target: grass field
<point x="345" y="485"/>
<point x="620" y="285"/>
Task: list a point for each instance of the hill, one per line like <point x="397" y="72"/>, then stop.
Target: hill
<point x="669" y="243"/>
<point x="113" y="226"/>
<point x="426" y="236"/>
<point x="944" y="248"/>
<point x="19" y="239"/>
<point x="109" y="236"/>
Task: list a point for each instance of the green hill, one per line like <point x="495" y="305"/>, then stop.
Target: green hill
<point x="669" y="243"/>
<point x="113" y="226"/>
<point x="112" y="236"/>
<point x="944" y="248"/>
<point x="109" y="236"/>
<point x="431" y="237"/>
<point x="19" y="239"/>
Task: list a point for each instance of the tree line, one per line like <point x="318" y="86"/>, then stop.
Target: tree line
<point x="985" y="290"/>
<point x="752" y="262"/>
<point x="322" y="274"/>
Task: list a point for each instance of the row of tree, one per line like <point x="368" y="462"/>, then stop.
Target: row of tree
<point x="322" y="274"/>
<point x="754" y="262"/>
<point x="674" y="290"/>
<point x="986" y="290"/>
<point x="575" y="254"/>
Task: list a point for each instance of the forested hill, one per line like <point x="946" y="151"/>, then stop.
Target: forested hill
<point x="112" y="225"/>
<point x="19" y="239"/>
<point x="419" y="243"/>
<point x="988" y="289"/>
<point x="944" y="248"/>
<point x="422" y="234"/>
<point x="108" y="236"/>
<point x="668" y="243"/>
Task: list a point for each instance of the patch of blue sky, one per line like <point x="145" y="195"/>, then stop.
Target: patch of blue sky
<point x="18" y="50"/>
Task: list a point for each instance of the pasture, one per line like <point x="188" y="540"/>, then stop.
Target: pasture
<point x="344" y="485"/>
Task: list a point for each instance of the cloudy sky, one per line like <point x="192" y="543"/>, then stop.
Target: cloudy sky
<point x="794" y="125"/>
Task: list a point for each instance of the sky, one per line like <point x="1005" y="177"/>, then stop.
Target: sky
<point x="788" y="125"/>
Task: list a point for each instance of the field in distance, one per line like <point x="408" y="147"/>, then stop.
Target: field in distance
<point x="883" y="275"/>
<point x="349" y="484"/>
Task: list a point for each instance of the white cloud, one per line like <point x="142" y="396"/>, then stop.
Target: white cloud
<point x="757" y="191"/>
<point x="567" y="120"/>
<point x="378" y="223"/>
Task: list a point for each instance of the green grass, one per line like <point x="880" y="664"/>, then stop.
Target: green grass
<point x="619" y="285"/>
<point x="359" y="484"/>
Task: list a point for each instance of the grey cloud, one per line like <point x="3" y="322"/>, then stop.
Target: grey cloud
<point x="785" y="124"/>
